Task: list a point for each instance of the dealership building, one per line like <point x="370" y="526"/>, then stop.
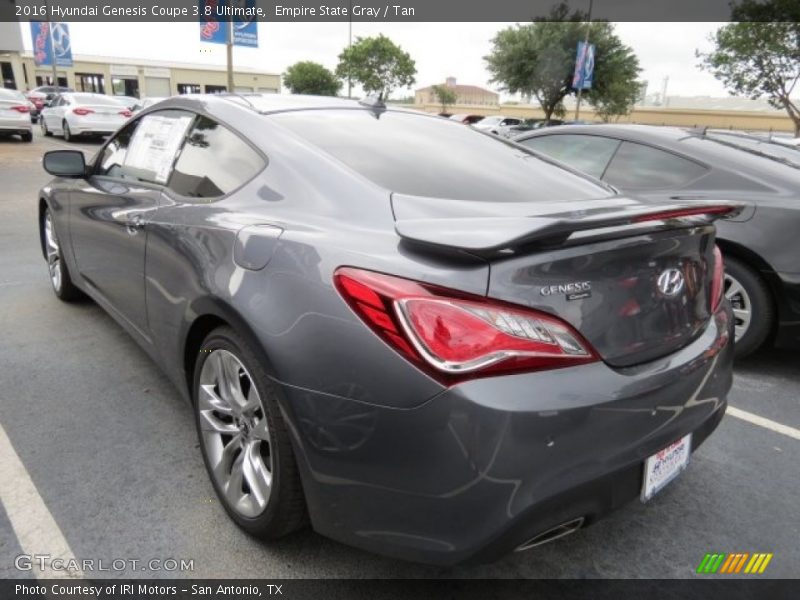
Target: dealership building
<point x="124" y="76"/>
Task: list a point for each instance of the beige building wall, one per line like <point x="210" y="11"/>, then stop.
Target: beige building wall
<point x="426" y="96"/>
<point x="165" y="74"/>
<point x="723" y="119"/>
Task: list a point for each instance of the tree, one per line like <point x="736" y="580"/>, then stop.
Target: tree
<point x="445" y="95"/>
<point x="377" y="64"/>
<point x="538" y="59"/>
<point x="308" y="77"/>
<point x="759" y="54"/>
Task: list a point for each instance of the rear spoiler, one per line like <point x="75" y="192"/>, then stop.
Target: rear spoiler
<point x="488" y="235"/>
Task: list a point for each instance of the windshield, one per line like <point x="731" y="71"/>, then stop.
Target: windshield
<point x="420" y="155"/>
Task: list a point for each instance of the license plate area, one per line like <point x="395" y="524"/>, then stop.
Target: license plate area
<point x="664" y="466"/>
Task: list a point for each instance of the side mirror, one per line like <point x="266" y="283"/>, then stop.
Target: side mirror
<point x="64" y="163"/>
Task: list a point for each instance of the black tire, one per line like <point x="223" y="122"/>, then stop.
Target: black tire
<point x="761" y="306"/>
<point x="68" y="137"/>
<point x="63" y="288"/>
<point x="27" y="137"/>
<point x="285" y="509"/>
<point x="45" y="130"/>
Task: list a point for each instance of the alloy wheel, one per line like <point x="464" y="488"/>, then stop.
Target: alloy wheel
<point x="742" y="306"/>
<point x="53" y="252"/>
<point x="235" y="433"/>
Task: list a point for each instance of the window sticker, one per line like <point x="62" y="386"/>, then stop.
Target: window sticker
<point x="155" y="143"/>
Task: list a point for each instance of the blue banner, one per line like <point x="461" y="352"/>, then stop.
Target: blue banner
<point x="584" y="67"/>
<point x="47" y="43"/>
<point x="245" y="32"/>
<point x="214" y="17"/>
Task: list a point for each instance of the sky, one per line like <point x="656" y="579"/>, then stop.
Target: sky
<point x="439" y="49"/>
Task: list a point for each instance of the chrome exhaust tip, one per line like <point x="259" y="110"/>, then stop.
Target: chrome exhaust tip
<point x="554" y="533"/>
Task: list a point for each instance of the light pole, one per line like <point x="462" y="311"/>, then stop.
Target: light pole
<point x="52" y="44"/>
<point x="585" y="50"/>
<point x="349" y="45"/>
<point x="229" y="47"/>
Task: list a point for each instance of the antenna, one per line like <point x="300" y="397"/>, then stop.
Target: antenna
<point x="238" y="96"/>
<point x="374" y="103"/>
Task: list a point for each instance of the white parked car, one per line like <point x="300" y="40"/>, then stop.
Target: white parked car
<point x="82" y="114"/>
<point x="494" y="123"/>
<point x="15" y="115"/>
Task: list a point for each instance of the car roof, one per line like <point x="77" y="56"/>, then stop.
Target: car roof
<point x="275" y="103"/>
<point x="629" y="132"/>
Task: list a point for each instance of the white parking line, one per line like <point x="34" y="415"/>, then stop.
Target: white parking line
<point x="762" y="422"/>
<point x="37" y="531"/>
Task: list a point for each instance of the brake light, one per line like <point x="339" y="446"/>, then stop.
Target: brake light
<point x="685" y="212"/>
<point x="125" y="113"/>
<point x="717" y="280"/>
<point x="455" y="336"/>
<point x="82" y="111"/>
<point x="21" y="108"/>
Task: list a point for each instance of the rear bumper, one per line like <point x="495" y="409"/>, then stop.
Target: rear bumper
<point x="87" y="127"/>
<point x="488" y="464"/>
<point x="91" y="131"/>
<point x="10" y="128"/>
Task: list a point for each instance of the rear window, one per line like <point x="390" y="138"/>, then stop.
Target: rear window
<point x="11" y="95"/>
<point x="95" y="99"/>
<point x="426" y="156"/>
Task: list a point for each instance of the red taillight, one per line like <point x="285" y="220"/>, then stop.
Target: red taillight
<point x="21" y="108"/>
<point x="82" y="111"/>
<point x="125" y="113"/>
<point x="717" y="280"/>
<point x="685" y="212"/>
<point x="457" y="336"/>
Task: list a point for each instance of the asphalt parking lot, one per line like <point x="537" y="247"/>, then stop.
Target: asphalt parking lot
<point x="110" y="450"/>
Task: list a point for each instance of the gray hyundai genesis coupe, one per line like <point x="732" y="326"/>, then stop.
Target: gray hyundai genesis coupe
<point x="421" y="340"/>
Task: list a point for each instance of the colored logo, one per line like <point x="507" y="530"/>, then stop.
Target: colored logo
<point x="742" y="563"/>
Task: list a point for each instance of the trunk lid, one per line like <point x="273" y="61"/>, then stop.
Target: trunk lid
<point x="633" y="279"/>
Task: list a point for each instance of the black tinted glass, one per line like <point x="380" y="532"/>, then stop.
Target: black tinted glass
<point x="636" y="166"/>
<point x="428" y="156"/>
<point x="587" y="153"/>
<point x="214" y="162"/>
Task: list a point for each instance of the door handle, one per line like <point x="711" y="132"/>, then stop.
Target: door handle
<point x="134" y="225"/>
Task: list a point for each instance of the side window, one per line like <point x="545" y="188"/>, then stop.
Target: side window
<point x="111" y="160"/>
<point x="636" y="166"/>
<point x="214" y="162"/>
<point x="145" y="149"/>
<point x="587" y="153"/>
